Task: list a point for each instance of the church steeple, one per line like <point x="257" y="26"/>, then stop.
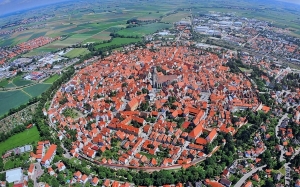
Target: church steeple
<point x="154" y="77"/>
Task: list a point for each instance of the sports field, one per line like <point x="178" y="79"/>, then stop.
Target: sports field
<point x="76" y="52"/>
<point x="29" y="136"/>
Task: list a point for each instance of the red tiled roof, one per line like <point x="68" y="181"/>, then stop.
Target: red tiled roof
<point x="49" y="153"/>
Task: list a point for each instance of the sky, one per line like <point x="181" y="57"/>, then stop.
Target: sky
<point x="291" y="1"/>
<point x="10" y="6"/>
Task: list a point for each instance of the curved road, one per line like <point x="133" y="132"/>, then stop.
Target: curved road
<point x="247" y="175"/>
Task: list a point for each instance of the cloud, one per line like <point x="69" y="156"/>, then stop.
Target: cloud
<point x="291" y="1"/>
<point x="4" y="2"/>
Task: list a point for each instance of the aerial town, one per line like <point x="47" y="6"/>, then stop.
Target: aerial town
<point x="213" y="101"/>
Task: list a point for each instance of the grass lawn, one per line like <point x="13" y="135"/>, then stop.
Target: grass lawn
<point x="23" y="138"/>
<point x="149" y="156"/>
<point x="282" y="170"/>
<point x="17" y="161"/>
<point x="246" y="70"/>
<point x="19" y="81"/>
<point x="9" y="164"/>
<point x="118" y="41"/>
<point x="52" y="79"/>
<point x="77" y="52"/>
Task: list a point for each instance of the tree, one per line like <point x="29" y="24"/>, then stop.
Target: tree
<point x="1" y="164"/>
<point x="30" y="183"/>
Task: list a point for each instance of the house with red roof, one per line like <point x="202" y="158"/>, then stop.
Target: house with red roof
<point x="84" y="178"/>
<point x="196" y="132"/>
<point x="61" y="166"/>
<point x="31" y="170"/>
<point x="133" y="104"/>
<point x="49" y="156"/>
<point x="95" y="181"/>
<point x="212" y="135"/>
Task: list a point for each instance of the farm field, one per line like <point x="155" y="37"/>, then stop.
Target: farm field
<point x="52" y="79"/>
<point x="37" y="89"/>
<point x="3" y="83"/>
<point x="118" y="41"/>
<point x="86" y="25"/>
<point x="175" y="17"/>
<point x="100" y="37"/>
<point x="13" y="99"/>
<point x="18" y="81"/>
<point x="144" y="29"/>
<point x="76" y="52"/>
<point x="38" y="51"/>
<point x="27" y="137"/>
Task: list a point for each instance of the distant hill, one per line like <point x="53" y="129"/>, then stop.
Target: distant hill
<point x="12" y="6"/>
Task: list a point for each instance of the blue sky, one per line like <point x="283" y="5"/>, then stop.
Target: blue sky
<point x="10" y="6"/>
<point x="292" y="1"/>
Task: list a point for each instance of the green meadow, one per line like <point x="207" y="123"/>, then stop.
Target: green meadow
<point x="27" y="137"/>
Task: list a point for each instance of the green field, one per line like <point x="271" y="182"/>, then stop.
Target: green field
<point x="19" y="81"/>
<point x="3" y="83"/>
<point x="100" y="37"/>
<point x="36" y="35"/>
<point x="175" y="17"/>
<point x="27" y="137"/>
<point x="118" y="41"/>
<point x="77" y="52"/>
<point x="144" y="29"/>
<point x="245" y="70"/>
<point x="52" y="79"/>
<point x="13" y="99"/>
<point x="86" y="26"/>
<point x="37" y="89"/>
<point x="37" y="51"/>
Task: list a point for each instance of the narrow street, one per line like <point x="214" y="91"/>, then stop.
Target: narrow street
<point x="276" y="132"/>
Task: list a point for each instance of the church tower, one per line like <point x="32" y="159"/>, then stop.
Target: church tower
<point x="154" y="77"/>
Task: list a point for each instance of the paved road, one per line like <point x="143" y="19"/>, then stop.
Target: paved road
<point x="247" y="175"/>
<point x="276" y="132"/>
<point x="37" y="173"/>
